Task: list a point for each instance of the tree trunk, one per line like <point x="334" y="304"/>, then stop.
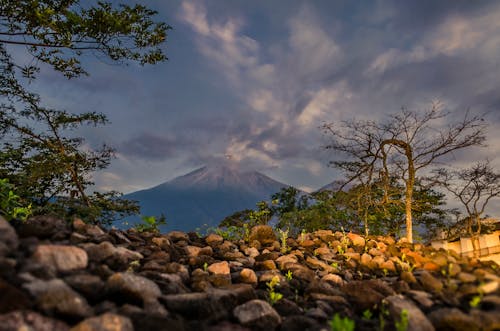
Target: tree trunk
<point x="408" y="205"/>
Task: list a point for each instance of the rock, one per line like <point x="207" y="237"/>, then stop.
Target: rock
<point x="258" y="315"/>
<point x="356" y="239"/>
<point x="8" y="237"/>
<point x="135" y="288"/>
<point x="214" y="240"/>
<point x="408" y="277"/>
<point x="366" y="294"/>
<point x="452" y="319"/>
<point x="12" y="298"/>
<point x="192" y="250"/>
<point x="215" y="304"/>
<point x="91" y="286"/>
<point x="115" y="257"/>
<point x="333" y="279"/>
<point x="43" y="227"/>
<point x="300" y="323"/>
<point x="430" y="283"/>
<point x="416" y="319"/>
<point x="248" y="276"/>
<point x="489" y="287"/>
<point x="176" y="236"/>
<point x="56" y="297"/>
<point x="220" y="268"/>
<point x="61" y="257"/>
<point x="264" y="234"/>
<point x="105" y="322"/>
<point x="423" y="299"/>
<point x="29" y="320"/>
<point x="465" y="277"/>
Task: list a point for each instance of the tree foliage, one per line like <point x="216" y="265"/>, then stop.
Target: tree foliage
<point x="39" y="153"/>
<point x="400" y="147"/>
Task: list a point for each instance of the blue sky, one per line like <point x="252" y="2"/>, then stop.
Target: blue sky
<point x="255" y="80"/>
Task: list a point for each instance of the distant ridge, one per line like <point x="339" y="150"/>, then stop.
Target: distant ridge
<point x="204" y="196"/>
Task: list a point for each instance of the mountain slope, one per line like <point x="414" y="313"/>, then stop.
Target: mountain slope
<point x="204" y="196"/>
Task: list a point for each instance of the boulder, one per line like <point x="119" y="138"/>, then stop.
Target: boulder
<point x="56" y="297"/>
<point x="257" y="315"/>
<point x="43" y="226"/>
<point x="105" y="322"/>
<point x="136" y="289"/>
<point x="417" y="321"/>
<point x="264" y="234"/>
<point x="61" y="257"/>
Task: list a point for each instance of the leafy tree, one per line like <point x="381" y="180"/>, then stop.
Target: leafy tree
<point x="474" y="187"/>
<point x="50" y="167"/>
<point x="400" y="147"/>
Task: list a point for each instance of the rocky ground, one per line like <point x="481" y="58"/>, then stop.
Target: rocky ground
<point x="57" y="276"/>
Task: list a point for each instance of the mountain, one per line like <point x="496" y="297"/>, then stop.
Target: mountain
<point x="204" y="196"/>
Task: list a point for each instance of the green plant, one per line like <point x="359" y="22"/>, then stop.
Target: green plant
<point x="289" y="275"/>
<point x="283" y="237"/>
<point x="367" y="315"/>
<point x="132" y="266"/>
<point x="272" y="294"/>
<point x="402" y="324"/>
<point x="476" y="300"/>
<point x="151" y="224"/>
<point x="205" y="266"/>
<point x="334" y="265"/>
<point x="302" y="235"/>
<point x="11" y="205"/>
<point x="383" y="312"/>
<point x="338" y="323"/>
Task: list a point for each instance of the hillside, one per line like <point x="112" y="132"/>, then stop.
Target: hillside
<point x="204" y="196"/>
<point x="58" y="276"/>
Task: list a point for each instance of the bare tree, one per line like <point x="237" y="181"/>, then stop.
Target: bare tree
<point x="474" y="187"/>
<point x="401" y="146"/>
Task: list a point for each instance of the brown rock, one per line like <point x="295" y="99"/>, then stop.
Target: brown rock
<point x="356" y="239"/>
<point x="105" y="322"/>
<point x="61" y="257"/>
<point x="416" y="319"/>
<point x="264" y="234"/>
<point x="219" y="268"/>
<point x="430" y="283"/>
<point x="248" y="276"/>
<point x="11" y="298"/>
<point x="29" y="320"/>
<point x="135" y="288"/>
<point x="408" y="277"/>
<point x="214" y="240"/>
<point x="452" y="319"/>
<point x="258" y="315"/>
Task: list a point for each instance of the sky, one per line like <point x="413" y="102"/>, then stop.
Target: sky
<point x="254" y="81"/>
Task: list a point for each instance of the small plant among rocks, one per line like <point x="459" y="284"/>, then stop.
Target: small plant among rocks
<point x="402" y="324"/>
<point x="11" y="206"/>
<point x="151" y="224"/>
<point x="272" y="294"/>
<point x="338" y="323"/>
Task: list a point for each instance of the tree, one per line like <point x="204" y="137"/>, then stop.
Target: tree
<point x="37" y="153"/>
<point x="474" y="187"/>
<point x="401" y="146"/>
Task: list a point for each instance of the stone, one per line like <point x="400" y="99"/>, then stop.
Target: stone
<point x="214" y="304"/>
<point x="430" y="283"/>
<point x="116" y="257"/>
<point x="176" y="236"/>
<point x="162" y="242"/>
<point x="466" y="277"/>
<point x="91" y="286"/>
<point x="214" y="240"/>
<point x="43" y="226"/>
<point x="192" y="250"/>
<point x="333" y="279"/>
<point x="8" y="237"/>
<point x="61" y="257"/>
<point x="248" y="276"/>
<point x="423" y="299"/>
<point x="264" y="234"/>
<point x="416" y="318"/>
<point x="11" y="298"/>
<point x="356" y="239"/>
<point x="105" y="322"/>
<point x="219" y="268"/>
<point x="300" y="323"/>
<point x="489" y="287"/>
<point x="133" y="287"/>
<point x="366" y="294"/>
<point x="56" y="297"/>
<point x="452" y="319"/>
<point x="408" y="277"/>
<point x="29" y="320"/>
<point x="257" y="315"/>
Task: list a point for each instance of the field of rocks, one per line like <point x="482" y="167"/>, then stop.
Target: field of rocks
<point x="57" y="276"/>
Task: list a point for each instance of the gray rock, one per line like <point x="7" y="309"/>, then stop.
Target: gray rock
<point x="105" y="322"/>
<point x="452" y="319"/>
<point x="43" y="226"/>
<point x="91" y="286"/>
<point x="135" y="288"/>
<point x="56" y="297"/>
<point x="416" y="319"/>
<point x="258" y="315"/>
<point x="60" y="257"/>
<point x="29" y="320"/>
<point x="8" y="237"/>
<point x="213" y="304"/>
<point x="430" y="283"/>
